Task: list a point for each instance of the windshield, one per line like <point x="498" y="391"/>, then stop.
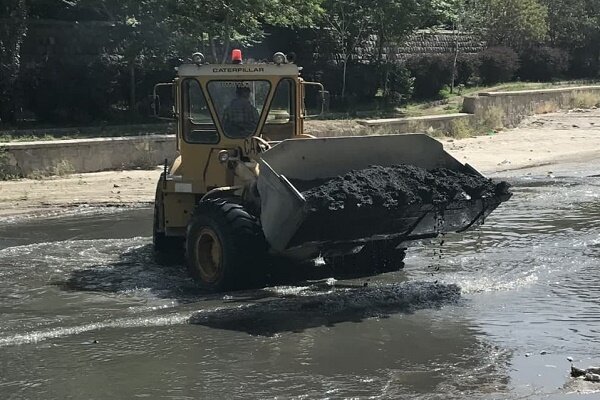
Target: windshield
<point x="239" y="105"/>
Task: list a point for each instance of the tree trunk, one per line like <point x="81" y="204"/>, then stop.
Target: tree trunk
<point x="213" y="48"/>
<point x="227" y="39"/>
<point x="344" y="76"/>
<point x="132" y="96"/>
<point x="380" y="46"/>
<point x="456" y="31"/>
<point x="10" y="61"/>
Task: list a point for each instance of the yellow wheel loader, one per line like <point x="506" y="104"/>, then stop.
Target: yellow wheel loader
<point x="230" y="197"/>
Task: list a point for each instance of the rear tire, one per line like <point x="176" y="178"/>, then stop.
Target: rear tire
<point x="225" y="247"/>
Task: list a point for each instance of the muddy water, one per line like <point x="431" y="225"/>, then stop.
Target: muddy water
<point x="87" y="312"/>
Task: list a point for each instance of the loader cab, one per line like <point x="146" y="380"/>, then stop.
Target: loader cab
<point x="225" y="106"/>
<point x="219" y="109"/>
<point x="226" y="115"/>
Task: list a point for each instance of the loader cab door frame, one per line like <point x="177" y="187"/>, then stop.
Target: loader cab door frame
<point x="283" y="112"/>
<point x="198" y="122"/>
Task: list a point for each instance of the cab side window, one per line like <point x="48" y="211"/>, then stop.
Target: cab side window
<point x="280" y="123"/>
<point x="199" y="126"/>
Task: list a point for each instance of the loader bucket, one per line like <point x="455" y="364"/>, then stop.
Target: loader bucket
<point x="288" y="224"/>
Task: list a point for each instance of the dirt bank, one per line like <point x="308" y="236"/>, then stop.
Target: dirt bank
<point x="547" y="139"/>
<point x="27" y="197"/>
<point x="539" y="140"/>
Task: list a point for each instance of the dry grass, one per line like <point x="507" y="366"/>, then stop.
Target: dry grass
<point x="144" y="156"/>
<point x="492" y="118"/>
<point x="546" y="108"/>
<point x="586" y="100"/>
<point x="461" y="128"/>
<point x="8" y="166"/>
<point x="62" y="168"/>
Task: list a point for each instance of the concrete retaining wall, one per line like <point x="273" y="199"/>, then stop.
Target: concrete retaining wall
<point x="86" y="155"/>
<point x="514" y="106"/>
<point x="431" y="123"/>
<point x="96" y="131"/>
<point x="91" y="155"/>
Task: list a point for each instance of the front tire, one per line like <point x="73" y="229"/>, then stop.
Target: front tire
<point x="225" y="246"/>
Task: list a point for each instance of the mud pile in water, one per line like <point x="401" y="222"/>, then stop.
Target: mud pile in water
<point x="396" y="187"/>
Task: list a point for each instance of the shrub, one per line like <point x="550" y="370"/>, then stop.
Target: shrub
<point x="445" y="93"/>
<point x="543" y="63"/>
<point x="65" y="90"/>
<point x="431" y="73"/>
<point x="361" y="82"/>
<point x="466" y="68"/>
<point x="498" y="64"/>
<point x="396" y="82"/>
<point x="584" y="63"/>
<point x="461" y="128"/>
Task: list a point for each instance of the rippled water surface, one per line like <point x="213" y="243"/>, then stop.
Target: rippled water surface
<point x="87" y="312"/>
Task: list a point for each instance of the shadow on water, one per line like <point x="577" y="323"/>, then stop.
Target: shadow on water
<point x="265" y="311"/>
<point x="165" y="276"/>
<point x="138" y="269"/>
<point x="312" y="309"/>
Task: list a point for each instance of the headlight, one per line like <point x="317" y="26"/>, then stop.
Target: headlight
<point x="198" y="58"/>
<point x="279" y="58"/>
<point x="223" y="156"/>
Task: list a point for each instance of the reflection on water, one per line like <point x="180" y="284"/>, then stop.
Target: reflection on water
<point x="87" y="311"/>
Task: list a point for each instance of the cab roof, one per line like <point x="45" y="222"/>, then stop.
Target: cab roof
<point x="238" y="70"/>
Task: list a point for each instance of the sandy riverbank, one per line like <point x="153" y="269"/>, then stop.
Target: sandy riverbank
<point x="547" y="139"/>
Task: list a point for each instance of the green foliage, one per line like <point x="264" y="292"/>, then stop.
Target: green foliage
<point x="221" y="24"/>
<point x="467" y="66"/>
<point x="65" y="90"/>
<point x="461" y="128"/>
<point x="571" y="22"/>
<point x="393" y="20"/>
<point x="12" y="34"/>
<point x="543" y="63"/>
<point x="445" y="93"/>
<point x="498" y="64"/>
<point x="432" y="73"/>
<point x="396" y="82"/>
<point x="512" y="23"/>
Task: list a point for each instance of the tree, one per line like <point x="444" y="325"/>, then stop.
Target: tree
<point x="512" y="23"/>
<point x="13" y="30"/>
<point x="240" y="22"/>
<point x="570" y="21"/>
<point x="348" y="21"/>
<point x="154" y="31"/>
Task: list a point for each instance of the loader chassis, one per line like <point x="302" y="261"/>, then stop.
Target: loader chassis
<point x="229" y="196"/>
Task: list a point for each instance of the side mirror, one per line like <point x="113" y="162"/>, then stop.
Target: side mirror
<point x="163" y="101"/>
<point x="317" y="96"/>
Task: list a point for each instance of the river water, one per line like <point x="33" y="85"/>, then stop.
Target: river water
<point x="86" y="312"/>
